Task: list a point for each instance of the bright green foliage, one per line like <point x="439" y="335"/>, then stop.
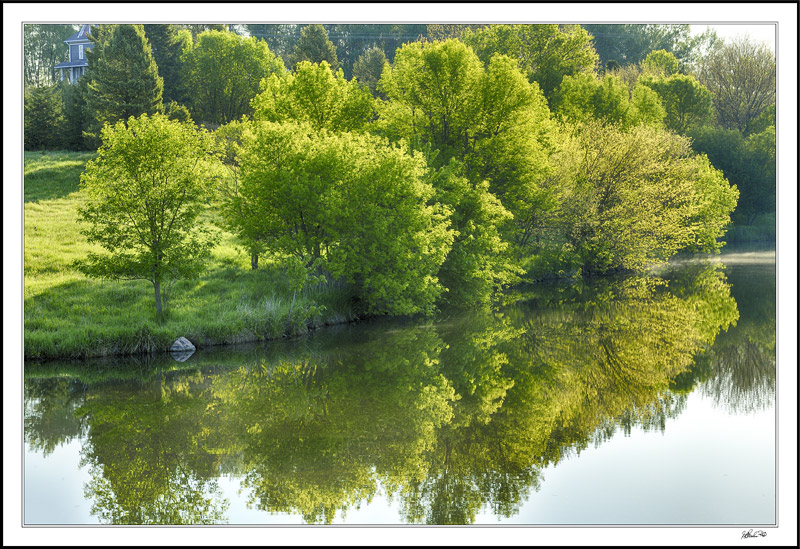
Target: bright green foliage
<point x="368" y="68"/>
<point x="480" y="260"/>
<point x="585" y="97"/>
<point x="647" y="107"/>
<point x="349" y="205"/>
<point x="687" y="102"/>
<point x="145" y="190"/>
<point x="317" y="95"/>
<point x="491" y="119"/>
<point x="123" y="78"/>
<point x="314" y="46"/>
<point x="660" y="63"/>
<point x="434" y="90"/>
<point x="546" y="53"/>
<point x="223" y="73"/>
<point x="715" y="199"/>
<point x="43" y="117"/>
<point x="169" y="43"/>
<point x="639" y="196"/>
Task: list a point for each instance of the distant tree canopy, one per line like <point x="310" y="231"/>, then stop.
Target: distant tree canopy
<point x="741" y="77"/>
<point x="314" y="46"/>
<point x="546" y="53"/>
<point x="628" y="44"/>
<point x="223" y="72"/>
<point x="44" y="48"/>
<point x="369" y="67"/>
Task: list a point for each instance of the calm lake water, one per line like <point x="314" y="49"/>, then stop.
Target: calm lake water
<point x="614" y="401"/>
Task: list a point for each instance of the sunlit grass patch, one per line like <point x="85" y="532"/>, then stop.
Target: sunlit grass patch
<point x="70" y="315"/>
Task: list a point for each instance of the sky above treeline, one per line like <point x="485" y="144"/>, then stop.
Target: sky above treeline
<point x="760" y="33"/>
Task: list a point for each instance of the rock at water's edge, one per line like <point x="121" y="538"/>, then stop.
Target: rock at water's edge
<point x="182" y="345"/>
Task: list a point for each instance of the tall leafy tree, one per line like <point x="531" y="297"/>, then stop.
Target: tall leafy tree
<point x="317" y="95"/>
<point x="686" y="102"/>
<point x="223" y="73"/>
<point x="144" y="192"/>
<point x="638" y="196"/>
<point x="314" y="46"/>
<point x="43" y="117"/>
<point x="546" y="53"/>
<point x="169" y="43"/>
<point x="490" y="118"/>
<point x="741" y="78"/>
<point x="123" y="78"/>
<point x="44" y="48"/>
<point x="349" y="205"/>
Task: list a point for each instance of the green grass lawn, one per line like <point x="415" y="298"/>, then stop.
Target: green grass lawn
<point x="70" y="315"/>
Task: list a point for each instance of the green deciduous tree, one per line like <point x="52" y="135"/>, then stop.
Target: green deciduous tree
<point x="686" y="102"/>
<point x="660" y="63"/>
<point x="314" y="46"/>
<point x="491" y="119"/>
<point x="223" y="73"/>
<point x="352" y="206"/>
<point x="317" y="95"/>
<point x="44" y="117"/>
<point x="639" y="196"/>
<point x="144" y="192"/>
<point x="741" y="77"/>
<point x="546" y="53"/>
<point x="122" y="76"/>
<point x="586" y="97"/>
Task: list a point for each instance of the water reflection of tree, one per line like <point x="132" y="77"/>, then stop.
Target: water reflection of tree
<point x="49" y="416"/>
<point x="447" y="420"/>
<point x="148" y="456"/>
<point x="742" y="377"/>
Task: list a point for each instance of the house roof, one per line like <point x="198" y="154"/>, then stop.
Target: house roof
<point x="81" y="36"/>
<point x="75" y="63"/>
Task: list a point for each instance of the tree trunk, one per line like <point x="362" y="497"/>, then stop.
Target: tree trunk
<point x="157" y="286"/>
<point x="254" y="261"/>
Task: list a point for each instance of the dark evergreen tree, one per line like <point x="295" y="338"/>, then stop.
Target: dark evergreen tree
<point x="123" y="79"/>
<point x="76" y="115"/>
<point x="43" y="117"/>
<point x="168" y="44"/>
<point x="315" y="46"/>
<point x="368" y="68"/>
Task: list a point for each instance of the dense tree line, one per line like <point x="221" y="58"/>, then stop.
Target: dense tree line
<point x="437" y="171"/>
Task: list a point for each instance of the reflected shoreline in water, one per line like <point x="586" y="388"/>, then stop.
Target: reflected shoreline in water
<point x="450" y="419"/>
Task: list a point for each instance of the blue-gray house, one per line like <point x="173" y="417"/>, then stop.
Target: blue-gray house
<point x="78" y="44"/>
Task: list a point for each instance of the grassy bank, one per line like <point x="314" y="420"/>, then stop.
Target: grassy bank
<point x="68" y="315"/>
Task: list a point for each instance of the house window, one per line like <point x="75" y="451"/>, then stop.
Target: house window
<point x="80" y="51"/>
